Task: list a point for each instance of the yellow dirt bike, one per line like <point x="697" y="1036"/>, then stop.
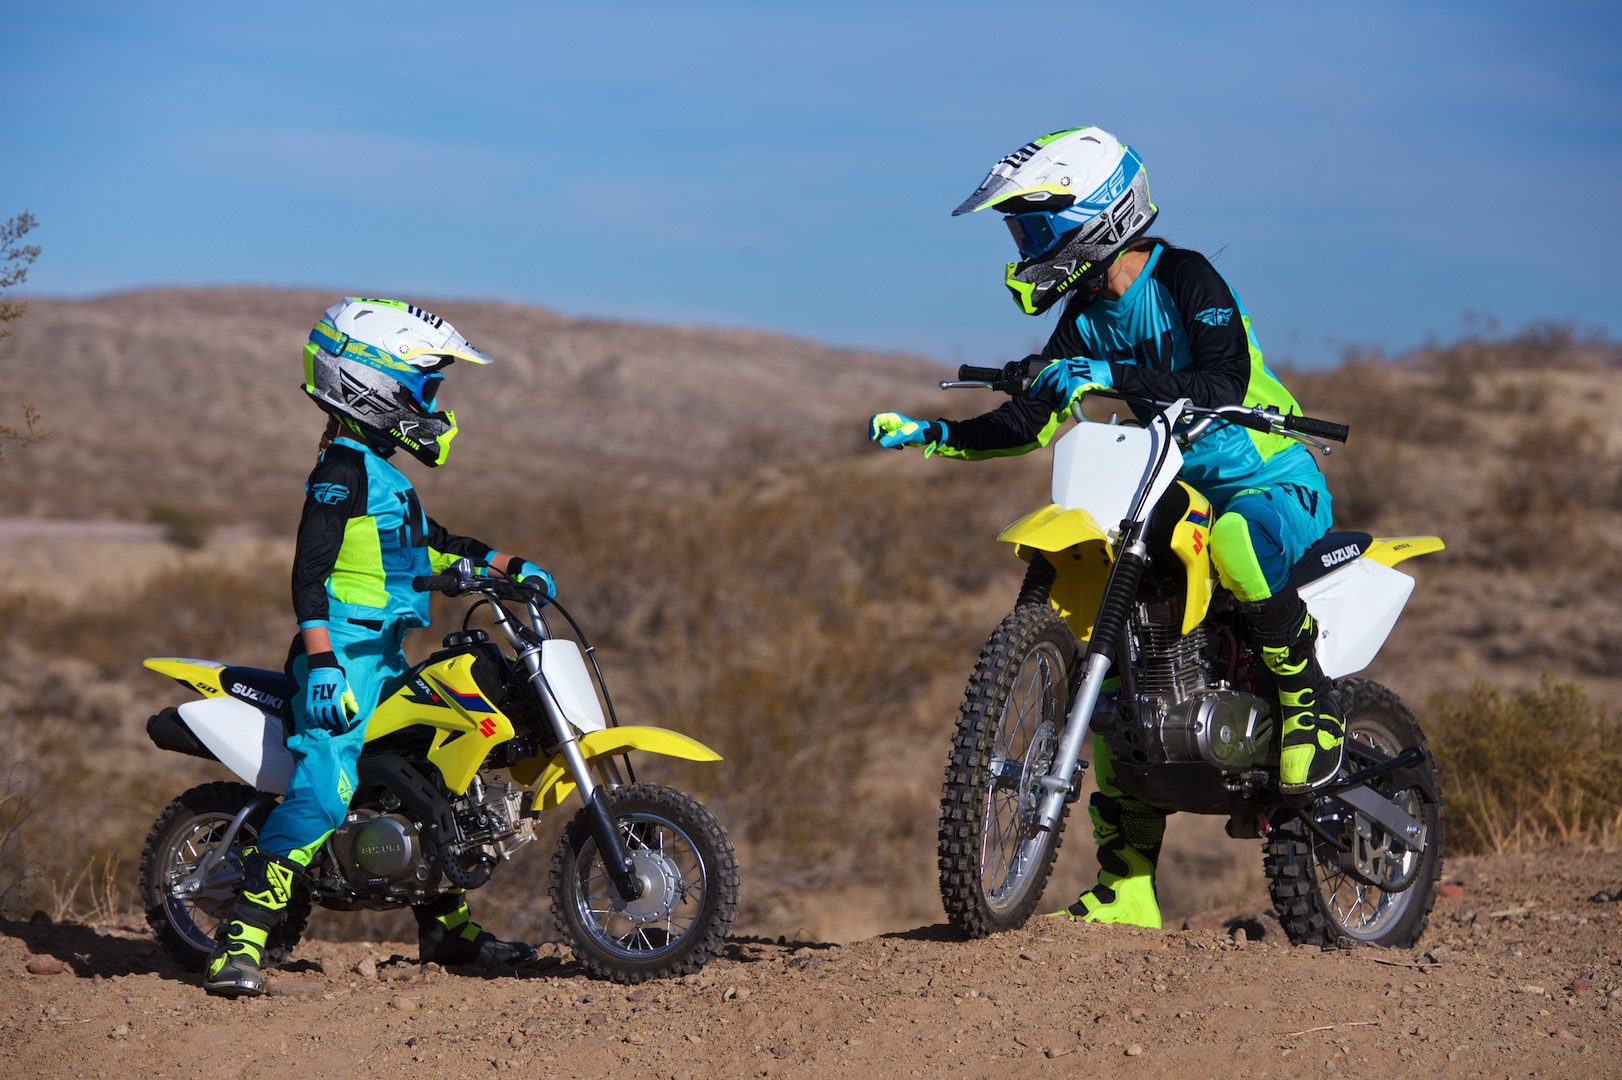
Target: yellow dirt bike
<point x="1122" y="628"/>
<point x="460" y="760"/>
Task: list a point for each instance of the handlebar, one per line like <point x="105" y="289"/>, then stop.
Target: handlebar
<point x="500" y="588"/>
<point x="1323" y="429"/>
<point x="970" y="373"/>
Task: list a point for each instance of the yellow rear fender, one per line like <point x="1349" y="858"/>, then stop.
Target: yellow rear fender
<point x="1391" y="550"/>
<point x="550" y="777"/>
<point x="202" y="676"/>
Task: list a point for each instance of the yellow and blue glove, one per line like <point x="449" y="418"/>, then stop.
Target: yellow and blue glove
<point x="527" y="573"/>
<point x="327" y="699"/>
<point x="893" y="430"/>
<point x="1063" y="381"/>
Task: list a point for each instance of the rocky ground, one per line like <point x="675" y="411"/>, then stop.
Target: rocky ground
<point x="1518" y="975"/>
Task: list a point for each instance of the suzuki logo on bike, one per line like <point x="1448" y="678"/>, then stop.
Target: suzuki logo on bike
<point x="487" y="727"/>
<point x="1340" y="555"/>
<point x="242" y="690"/>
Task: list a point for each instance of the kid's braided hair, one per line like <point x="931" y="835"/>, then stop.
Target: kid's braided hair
<point x="334" y="428"/>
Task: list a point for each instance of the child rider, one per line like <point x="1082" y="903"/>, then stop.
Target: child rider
<point x="375" y="366"/>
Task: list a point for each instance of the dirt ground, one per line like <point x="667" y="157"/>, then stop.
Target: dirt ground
<point x="1518" y="975"/>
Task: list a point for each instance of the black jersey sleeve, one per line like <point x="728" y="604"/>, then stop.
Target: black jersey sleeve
<point x="1217" y="339"/>
<point x="1015" y="427"/>
<point x="445" y="547"/>
<point x="335" y="492"/>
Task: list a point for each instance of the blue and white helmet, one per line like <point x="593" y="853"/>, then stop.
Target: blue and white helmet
<point x="379" y="364"/>
<point x="1072" y="200"/>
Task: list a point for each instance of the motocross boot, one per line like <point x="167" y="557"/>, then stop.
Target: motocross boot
<point x="447" y="934"/>
<point x="233" y="969"/>
<point x="1128" y="832"/>
<point x="1313" y="732"/>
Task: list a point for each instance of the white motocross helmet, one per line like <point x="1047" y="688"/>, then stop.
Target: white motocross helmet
<point x="1072" y="200"/>
<point x="379" y="364"/>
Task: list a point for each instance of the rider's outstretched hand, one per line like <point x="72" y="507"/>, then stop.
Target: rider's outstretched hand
<point x="527" y="573"/>
<point x="326" y="694"/>
<point x="893" y="430"/>
<point x="1062" y="381"/>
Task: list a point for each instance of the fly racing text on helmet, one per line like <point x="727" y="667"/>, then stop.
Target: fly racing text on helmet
<point x="1073" y="201"/>
<point x="378" y="364"/>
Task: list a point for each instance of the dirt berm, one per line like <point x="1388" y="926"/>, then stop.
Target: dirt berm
<point x="1519" y="975"/>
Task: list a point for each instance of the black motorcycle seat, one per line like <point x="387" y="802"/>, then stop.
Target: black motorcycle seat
<point x="1336" y="549"/>
<point x="271" y="691"/>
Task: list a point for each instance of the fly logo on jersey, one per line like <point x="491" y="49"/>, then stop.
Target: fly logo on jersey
<point x="329" y="494"/>
<point x="1215" y="316"/>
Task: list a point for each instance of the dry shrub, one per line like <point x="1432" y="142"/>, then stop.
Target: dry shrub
<point x="186" y="527"/>
<point x="1524" y="770"/>
<point x="1552" y="501"/>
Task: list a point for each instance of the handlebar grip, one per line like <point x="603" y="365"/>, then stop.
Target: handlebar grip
<point x="970" y="373"/>
<point x="434" y="583"/>
<point x="1322" y="429"/>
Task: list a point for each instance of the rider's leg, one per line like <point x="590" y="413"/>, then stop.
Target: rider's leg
<point x="1128" y="834"/>
<point x="267" y="886"/>
<point x="316" y="801"/>
<point x="1254" y="544"/>
<point x="447" y="934"/>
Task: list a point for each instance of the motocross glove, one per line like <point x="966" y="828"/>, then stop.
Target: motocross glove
<point x="326" y="695"/>
<point x="1063" y="381"/>
<point x="893" y="430"/>
<point x="527" y="573"/>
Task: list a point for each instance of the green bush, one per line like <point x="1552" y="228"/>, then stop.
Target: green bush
<point x="1524" y="770"/>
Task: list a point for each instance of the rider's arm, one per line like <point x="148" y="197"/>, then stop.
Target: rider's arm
<point x="1218" y="340"/>
<point x="335" y="492"/>
<point x="1022" y="424"/>
<point x="445" y="547"/>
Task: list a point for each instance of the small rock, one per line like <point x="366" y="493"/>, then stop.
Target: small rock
<point x="1023" y="955"/>
<point x="516" y="1040"/>
<point x="410" y="1042"/>
<point x="1217" y="968"/>
<point x="1330" y="1066"/>
<point x="1056" y="1051"/>
<point x="45" y="965"/>
<point x="1134" y="1050"/>
<point x="1531" y="988"/>
<point x="121" y="1031"/>
<point x="294" y="988"/>
<point x="634" y="1039"/>
<point x="367" y="968"/>
<point x="1450" y="891"/>
<point x="404" y="1004"/>
<point x="694" y="1037"/>
<point x="638" y="995"/>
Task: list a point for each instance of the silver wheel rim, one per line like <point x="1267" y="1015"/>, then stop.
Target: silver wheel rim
<point x="197" y="916"/>
<point x="1021" y="752"/>
<point x="674" y="880"/>
<point x="1365" y="912"/>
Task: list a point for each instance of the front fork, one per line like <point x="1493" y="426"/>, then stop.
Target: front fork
<point x="621" y="871"/>
<point x="1108" y="631"/>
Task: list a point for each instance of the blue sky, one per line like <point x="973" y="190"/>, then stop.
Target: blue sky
<point x="1362" y="174"/>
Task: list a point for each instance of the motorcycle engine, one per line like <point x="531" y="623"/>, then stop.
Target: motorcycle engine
<point x="381" y="850"/>
<point x="1184" y="712"/>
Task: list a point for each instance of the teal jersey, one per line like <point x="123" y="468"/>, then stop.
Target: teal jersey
<point x="1178" y="331"/>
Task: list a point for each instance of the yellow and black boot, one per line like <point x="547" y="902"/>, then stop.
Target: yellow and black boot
<point x="1128" y="833"/>
<point x="234" y="968"/>
<point x="1313" y="732"/>
<point x="447" y="934"/>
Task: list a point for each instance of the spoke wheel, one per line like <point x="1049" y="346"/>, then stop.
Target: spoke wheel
<point x="186" y="922"/>
<point x="689" y="877"/>
<point x="994" y="862"/>
<point x="1365" y="887"/>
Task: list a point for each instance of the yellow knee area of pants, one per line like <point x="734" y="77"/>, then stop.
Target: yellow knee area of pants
<point x="1235" y="558"/>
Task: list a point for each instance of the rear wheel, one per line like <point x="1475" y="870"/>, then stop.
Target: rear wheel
<point x="189" y="828"/>
<point x="689" y="877"/>
<point x="1348" y="880"/>
<point x="994" y="862"/>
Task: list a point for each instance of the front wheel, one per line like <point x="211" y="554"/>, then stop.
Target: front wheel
<point x="689" y="877"/>
<point x="1346" y="880"/>
<point x="190" y="827"/>
<point x="994" y="861"/>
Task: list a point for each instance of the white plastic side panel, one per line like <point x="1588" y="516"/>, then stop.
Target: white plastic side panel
<point x="1356" y="606"/>
<point x="248" y="742"/>
<point x="1098" y="467"/>
<point x="565" y="669"/>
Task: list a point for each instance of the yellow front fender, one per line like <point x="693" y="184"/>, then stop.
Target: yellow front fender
<point x="1079" y="550"/>
<point x="550" y="778"/>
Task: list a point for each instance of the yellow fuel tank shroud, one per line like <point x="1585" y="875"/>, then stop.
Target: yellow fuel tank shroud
<point x="1081" y="553"/>
<point x="550" y="777"/>
<point x="444" y="696"/>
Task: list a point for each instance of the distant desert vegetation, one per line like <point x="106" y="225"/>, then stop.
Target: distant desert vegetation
<point x="754" y="572"/>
